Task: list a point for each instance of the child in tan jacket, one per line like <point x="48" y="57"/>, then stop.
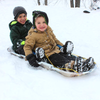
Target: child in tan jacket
<point x="42" y="40"/>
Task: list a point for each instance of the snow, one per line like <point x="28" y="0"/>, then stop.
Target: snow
<point x="20" y="81"/>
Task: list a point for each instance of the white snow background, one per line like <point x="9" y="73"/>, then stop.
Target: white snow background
<point x="20" y="81"/>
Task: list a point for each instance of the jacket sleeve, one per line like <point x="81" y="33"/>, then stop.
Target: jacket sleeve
<point x="15" y="38"/>
<point x="56" y="40"/>
<point x="29" y="44"/>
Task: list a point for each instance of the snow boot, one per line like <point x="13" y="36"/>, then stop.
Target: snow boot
<point x="67" y="48"/>
<point x="78" y="64"/>
<point x="88" y="64"/>
<point x="40" y="54"/>
<point x="82" y="65"/>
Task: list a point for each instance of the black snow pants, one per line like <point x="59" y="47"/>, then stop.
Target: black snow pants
<point x="60" y="59"/>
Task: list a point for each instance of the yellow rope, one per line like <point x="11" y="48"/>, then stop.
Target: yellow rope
<point x="49" y="60"/>
<point x="60" y="68"/>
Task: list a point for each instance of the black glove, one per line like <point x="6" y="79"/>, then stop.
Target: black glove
<point x="20" y="50"/>
<point x="32" y="60"/>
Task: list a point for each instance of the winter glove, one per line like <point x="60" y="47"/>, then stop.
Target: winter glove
<point x="20" y="45"/>
<point x="32" y="60"/>
<point x="20" y="42"/>
<point x="20" y="50"/>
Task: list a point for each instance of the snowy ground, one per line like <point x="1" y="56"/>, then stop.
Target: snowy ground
<point x="20" y="81"/>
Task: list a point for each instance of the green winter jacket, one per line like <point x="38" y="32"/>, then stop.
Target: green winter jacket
<point x="18" y="32"/>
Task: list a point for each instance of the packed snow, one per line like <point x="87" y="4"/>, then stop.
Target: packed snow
<point x="20" y="81"/>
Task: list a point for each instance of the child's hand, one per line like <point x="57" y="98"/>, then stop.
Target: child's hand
<point x="20" y="50"/>
<point x="32" y="60"/>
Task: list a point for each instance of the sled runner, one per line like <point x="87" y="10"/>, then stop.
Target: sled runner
<point x="67" y="73"/>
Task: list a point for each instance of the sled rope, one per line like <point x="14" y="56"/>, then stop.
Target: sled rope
<point x="60" y="68"/>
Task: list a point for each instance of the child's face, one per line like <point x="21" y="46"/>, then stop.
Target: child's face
<point x="22" y="18"/>
<point x="40" y="24"/>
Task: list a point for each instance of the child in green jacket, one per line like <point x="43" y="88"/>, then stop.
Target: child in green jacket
<point x="19" y="28"/>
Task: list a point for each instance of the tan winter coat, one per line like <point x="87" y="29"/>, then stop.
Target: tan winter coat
<point x="45" y="40"/>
